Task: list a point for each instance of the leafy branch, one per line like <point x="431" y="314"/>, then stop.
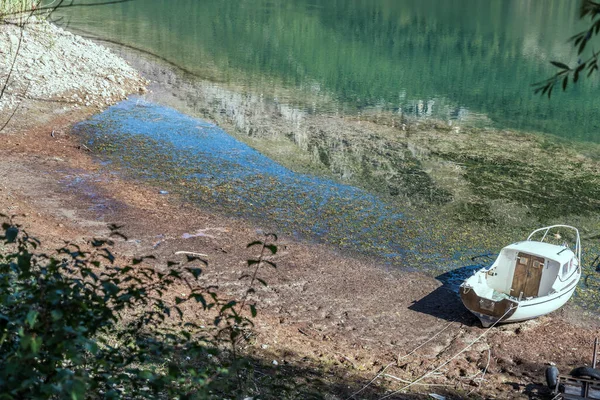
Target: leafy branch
<point x="74" y="322"/>
<point x="580" y="40"/>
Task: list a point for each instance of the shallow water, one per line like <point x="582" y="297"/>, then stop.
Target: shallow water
<point x="205" y="165"/>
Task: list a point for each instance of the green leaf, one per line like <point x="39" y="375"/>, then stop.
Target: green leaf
<point x="36" y="344"/>
<point x="577" y="71"/>
<point x="173" y="371"/>
<point x="560" y="65"/>
<point x="108" y="255"/>
<point x="196" y="272"/>
<point x="91" y="346"/>
<point x="145" y="374"/>
<point x="179" y="312"/>
<point x="25" y="340"/>
<point x="564" y="84"/>
<point x="231" y="304"/>
<point x="189" y="258"/>
<point x="253" y="310"/>
<point x="199" y="299"/>
<point x="262" y="281"/>
<point x="137" y="261"/>
<point x="272" y="247"/>
<point x="256" y="242"/>
<point x="32" y="318"/>
<point x="56" y="315"/>
<point x="77" y="391"/>
<point x="581" y="46"/>
<point x="546" y="89"/>
<point x="11" y="234"/>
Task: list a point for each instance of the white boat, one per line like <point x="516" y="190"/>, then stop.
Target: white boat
<point x="528" y="279"/>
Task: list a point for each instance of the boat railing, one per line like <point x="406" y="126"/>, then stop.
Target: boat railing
<point x="548" y="228"/>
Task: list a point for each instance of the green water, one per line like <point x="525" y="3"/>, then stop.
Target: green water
<point x="470" y="60"/>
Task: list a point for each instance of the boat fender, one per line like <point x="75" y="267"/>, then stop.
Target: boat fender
<point x="551" y="377"/>
<point x="586" y="371"/>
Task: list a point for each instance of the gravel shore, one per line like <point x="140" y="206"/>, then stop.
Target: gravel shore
<point x="46" y="62"/>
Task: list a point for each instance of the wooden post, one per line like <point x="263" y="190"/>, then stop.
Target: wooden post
<point x="586" y="387"/>
<point x="595" y="353"/>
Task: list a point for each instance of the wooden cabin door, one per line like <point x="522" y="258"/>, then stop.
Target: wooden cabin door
<point x="527" y="277"/>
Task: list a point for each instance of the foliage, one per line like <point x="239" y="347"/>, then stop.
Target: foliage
<point x="589" y="9"/>
<point x="74" y="324"/>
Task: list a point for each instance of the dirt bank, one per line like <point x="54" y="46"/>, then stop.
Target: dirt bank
<point x="340" y="316"/>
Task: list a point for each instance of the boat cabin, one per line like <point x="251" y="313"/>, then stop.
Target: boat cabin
<point x="531" y="269"/>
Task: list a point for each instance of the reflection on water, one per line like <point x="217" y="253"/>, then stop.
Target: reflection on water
<point x="370" y="154"/>
<point x="447" y="59"/>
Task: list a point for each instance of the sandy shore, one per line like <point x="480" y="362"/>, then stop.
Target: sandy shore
<point x="342" y="317"/>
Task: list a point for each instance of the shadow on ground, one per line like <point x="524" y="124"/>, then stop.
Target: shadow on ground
<point x="444" y="302"/>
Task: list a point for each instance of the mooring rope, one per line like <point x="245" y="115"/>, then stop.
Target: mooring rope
<point x="398" y="360"/>
<point x="453" y="357"/>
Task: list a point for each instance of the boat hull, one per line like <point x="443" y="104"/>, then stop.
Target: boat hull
<point x="491" y="312"/>
<point x="488" y="311"/>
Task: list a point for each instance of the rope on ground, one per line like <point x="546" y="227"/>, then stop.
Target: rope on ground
<point x="405" y="381"/>
<point x="424" y="343"/>
<point x="372" y="380"/>
<point x="398" y="361"/>
<point x="452" y="358"/>
<point x="482" y="375"/>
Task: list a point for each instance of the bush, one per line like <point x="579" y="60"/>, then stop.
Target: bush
<point x="73" y="324"/>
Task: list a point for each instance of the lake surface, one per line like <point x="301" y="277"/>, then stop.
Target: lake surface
<point x="466" y="60"/>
